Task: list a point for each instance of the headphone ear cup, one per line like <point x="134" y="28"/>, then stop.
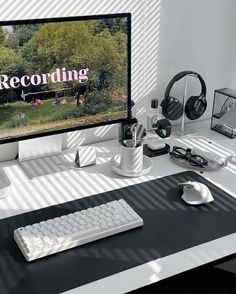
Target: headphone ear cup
<point x="172" y="108"/>
<point x="164" y="106"/>
<point x="195" y="107"/>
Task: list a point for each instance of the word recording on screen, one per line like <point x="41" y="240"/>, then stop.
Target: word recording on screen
<point x="59" y="75"/>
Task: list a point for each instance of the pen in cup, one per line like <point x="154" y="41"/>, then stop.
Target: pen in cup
<point x="140" y="142"/>
<point x="134" y="136"/>
<point x="139" y="132"/>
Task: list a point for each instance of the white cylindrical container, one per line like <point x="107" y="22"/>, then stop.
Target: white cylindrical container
<point x="131" y="158"/>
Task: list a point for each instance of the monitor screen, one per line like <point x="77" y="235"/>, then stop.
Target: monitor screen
<point x="60" y="75"/>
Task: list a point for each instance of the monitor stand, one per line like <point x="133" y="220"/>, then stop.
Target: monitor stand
<point x="39" y="147"/>
<point x="44" y="156"/>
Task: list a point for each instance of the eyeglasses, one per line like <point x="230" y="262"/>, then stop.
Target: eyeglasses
<point x="194" y="160"/>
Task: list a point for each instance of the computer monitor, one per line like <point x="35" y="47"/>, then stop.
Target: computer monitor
<point x="63" y="74"/>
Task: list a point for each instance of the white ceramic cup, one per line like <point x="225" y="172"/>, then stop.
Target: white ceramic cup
<point x="131" y="158"/>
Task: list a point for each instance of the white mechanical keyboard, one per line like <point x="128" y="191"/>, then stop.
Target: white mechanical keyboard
<point x="74" y="229"/>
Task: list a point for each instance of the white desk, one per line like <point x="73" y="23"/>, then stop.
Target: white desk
<point x="28" y="195"/>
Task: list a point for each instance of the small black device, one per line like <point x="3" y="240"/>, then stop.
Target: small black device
<point x="124" y="131"/>
<point x="172" y="108"/>
<point x="152" y="153"/>
<point x="163" y="128"/>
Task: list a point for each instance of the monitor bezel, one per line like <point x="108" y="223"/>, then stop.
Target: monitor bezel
<point x="83" y="127"/>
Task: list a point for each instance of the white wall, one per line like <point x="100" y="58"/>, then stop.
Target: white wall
<point x="167" y="36"/>
<point x="198" y="35"/>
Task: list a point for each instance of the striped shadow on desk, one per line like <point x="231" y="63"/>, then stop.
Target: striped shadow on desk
<point x="38" y="167"/>
<point x="169" y="226"/>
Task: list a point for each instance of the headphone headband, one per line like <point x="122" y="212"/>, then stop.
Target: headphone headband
<point x="182" y="74"/>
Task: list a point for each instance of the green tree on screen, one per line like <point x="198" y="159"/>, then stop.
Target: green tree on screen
<point x="20" y="35"/>
<point x="52" y="46"/>
<point x="2" y="36"/>
<point x="114" y="25"/>
<point x="99" y="45"/>
<point x="11" y="64"/>
<point x="110" y="59"/>
<point x="24" y="33"/>
<point x="77" y="45"/>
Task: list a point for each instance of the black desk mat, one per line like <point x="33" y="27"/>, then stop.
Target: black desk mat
<point x="169" y="227"/>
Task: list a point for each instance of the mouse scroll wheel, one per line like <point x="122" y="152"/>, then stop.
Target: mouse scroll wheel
<point x="187" y="185"/>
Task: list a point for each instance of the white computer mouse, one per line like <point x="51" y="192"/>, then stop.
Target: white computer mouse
<point x="195" y="193"/>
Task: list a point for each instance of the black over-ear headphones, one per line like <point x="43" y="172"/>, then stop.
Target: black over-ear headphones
<point x="172" y="108"/>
